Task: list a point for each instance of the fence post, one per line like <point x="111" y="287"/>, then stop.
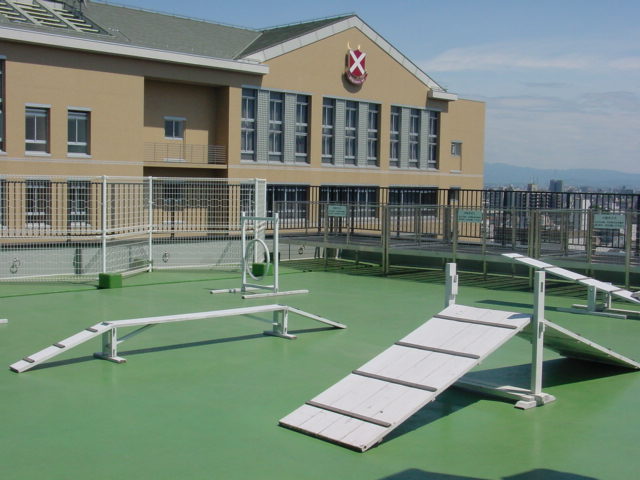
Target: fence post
<point x="104" y="224"/>
<point x="150" y="222"/>
<point x="627" y="247"/>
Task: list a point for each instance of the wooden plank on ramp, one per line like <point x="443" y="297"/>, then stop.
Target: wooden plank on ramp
<point x="362" y="408"/>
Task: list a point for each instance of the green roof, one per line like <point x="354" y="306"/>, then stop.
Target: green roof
<point x="276" y="35"/>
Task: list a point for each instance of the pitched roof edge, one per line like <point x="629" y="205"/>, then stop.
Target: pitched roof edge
<point x="437" y="91"/>
<point x="112" y="48"/>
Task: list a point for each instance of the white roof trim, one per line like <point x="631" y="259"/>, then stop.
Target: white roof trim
<point x="437" y="91"/>
<point x="98" y="46"/>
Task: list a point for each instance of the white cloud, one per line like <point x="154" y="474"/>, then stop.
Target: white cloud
<point x="548" y="55"/>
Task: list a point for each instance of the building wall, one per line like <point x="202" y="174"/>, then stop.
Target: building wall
<point x="128" y="100"/>
<point x="38" y="75"/>
<point x="318" y="70"/>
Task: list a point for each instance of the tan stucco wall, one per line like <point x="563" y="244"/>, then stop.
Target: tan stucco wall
<point x="318" y="70"/>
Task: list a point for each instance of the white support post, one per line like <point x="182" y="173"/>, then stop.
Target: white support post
<point x="451" y="286"/>
<point x="243" y="246"/>
<point x="537" y="333"/>
<point x="150" y="222"/>
<point x="592" y="295"/>
<point x="110" y="347"/>
<point x="280" y="325"/>
<point x="104" y="224"/>
<point x="276" y="251"/>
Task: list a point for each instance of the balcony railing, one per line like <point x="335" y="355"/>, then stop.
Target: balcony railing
<point x="185" y="153"/>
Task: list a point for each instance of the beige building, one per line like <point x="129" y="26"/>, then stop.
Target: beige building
<point x="326" y="109"/>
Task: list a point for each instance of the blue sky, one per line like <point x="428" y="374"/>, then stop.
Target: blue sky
<point x="561" y="79"/>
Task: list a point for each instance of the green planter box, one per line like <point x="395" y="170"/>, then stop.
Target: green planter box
<point x="109" y="280"/>
<point x="261" y="269"/>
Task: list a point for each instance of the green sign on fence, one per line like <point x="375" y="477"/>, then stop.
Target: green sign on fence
<point x="337" y="210"/>
<point x="470" y="216"/>
<point x="612" y="221"/>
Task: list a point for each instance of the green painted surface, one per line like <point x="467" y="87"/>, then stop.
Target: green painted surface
<point x="202" y="399"/>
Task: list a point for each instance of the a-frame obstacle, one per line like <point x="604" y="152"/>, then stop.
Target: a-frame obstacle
<point x="593" y="287"/>
<point x="111" y="340"/>
<point x="366" y="405"/>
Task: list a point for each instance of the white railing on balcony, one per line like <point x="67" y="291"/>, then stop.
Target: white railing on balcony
<point x="185" y="153"/>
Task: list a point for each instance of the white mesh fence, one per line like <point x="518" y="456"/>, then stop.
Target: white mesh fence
<point x="54" y="228"/>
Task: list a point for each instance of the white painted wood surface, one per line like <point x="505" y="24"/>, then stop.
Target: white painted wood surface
<point x="353" y="412"/>
<point x="575" y="277"/>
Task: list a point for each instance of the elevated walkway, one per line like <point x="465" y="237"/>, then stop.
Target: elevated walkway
<point x="111" y="341"/>
<point x="594" y="286"/>
<point x="366" y="405"/>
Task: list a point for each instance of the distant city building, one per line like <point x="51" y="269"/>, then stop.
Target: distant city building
<point x="555" y="185"/>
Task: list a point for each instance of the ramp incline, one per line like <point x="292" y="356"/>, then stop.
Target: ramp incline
<point x="365" y="406"/>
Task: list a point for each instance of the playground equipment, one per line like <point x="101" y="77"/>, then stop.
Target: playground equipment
<point x="365" y="406"/>
<point x="111" y="341"/>
<point x="592" y="308"/>
<point x="258" y="225"/>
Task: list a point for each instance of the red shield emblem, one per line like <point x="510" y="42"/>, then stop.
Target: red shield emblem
<point x="356" y="71"/>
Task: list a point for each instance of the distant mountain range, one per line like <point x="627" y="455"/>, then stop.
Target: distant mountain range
<point x="502" y="174"/>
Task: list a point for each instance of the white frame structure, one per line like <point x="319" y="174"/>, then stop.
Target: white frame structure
<point x="603" y="309"/>
<point x="111" y="340"/>
<point x="257" y="225"/>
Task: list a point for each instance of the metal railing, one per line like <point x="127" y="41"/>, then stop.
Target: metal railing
<point x="588" y="235"/>
<point x="60" y="228"/>
<point x="185" y="153"/>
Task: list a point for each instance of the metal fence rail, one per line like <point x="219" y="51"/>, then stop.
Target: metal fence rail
<point x="587" y="235"/>
<point x="60" y="228"/>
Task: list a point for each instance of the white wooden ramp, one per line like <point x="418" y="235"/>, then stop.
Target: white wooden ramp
<point x="570" y="344"/>
<point x="111" y="340"/>
<point x="365" y="406"/>
<point x="591" y="283"/>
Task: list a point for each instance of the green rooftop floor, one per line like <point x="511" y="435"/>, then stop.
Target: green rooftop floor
<point x="202" y="399"/>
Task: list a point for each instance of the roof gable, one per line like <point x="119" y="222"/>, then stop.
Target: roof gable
<point x="295" y="37"/>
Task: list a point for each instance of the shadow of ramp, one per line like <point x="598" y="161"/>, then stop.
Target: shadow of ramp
<point x="537" y="474"/>
<point x="418" y="474"/>
<point x="546" y="474"/>
<point x="447" y="403"/>
<point x="140" y="351"/>
<point x="557" y="372"/>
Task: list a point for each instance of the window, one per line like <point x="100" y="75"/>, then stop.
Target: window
<point x="328" y="122"/>
<point x="413" y="196"/>
<point x="302" y="128"/>
<point x="174" y="128"/>
<point x="3" y="203"/>
<point x="456" y="149"/>
<point x="394" y="137"/>
<point x="363" y="199"/>
<point x="248" y="125"/>
<point x="414" y="138"/>
<point x="2" y="145"/>
<point x="434" y="131"/>
<point x="275" y="126"/>
<point x="38" y="205"/>
<point x="351" y="133"/>
<point x="78" y="132"/>
<point x="78" y="203"/>
<point x="37" y="130"/>
<point x="372" y="135"/>
<point x="289" y="201"/>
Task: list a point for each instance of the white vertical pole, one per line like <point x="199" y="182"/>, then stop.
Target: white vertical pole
<point x="451" y="285"/>
<point x="276" y="250"/>
<point x="592" y="296"/>
<point x="150" y="222"/>
<point x="104" y="224"/>
<point x="243" y="246"/>
<point x="537" y="333"/>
